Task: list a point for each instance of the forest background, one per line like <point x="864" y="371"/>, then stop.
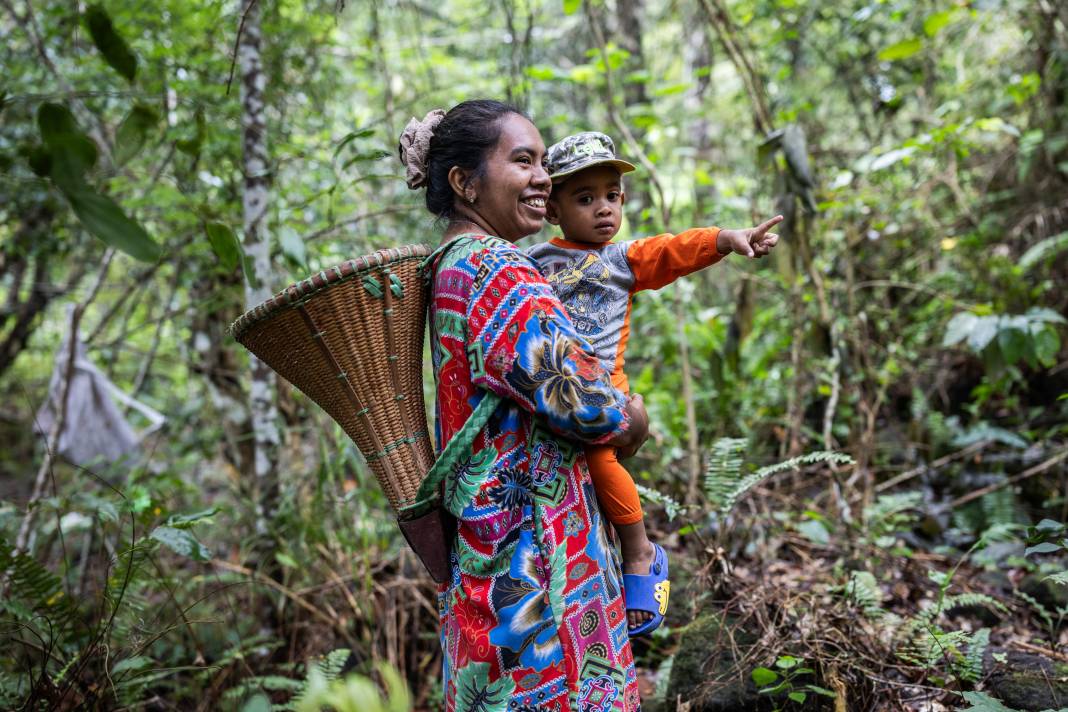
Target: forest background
<point x="859" y="445"/>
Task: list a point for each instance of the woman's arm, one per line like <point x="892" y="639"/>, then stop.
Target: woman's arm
<point x="522" y="345"/>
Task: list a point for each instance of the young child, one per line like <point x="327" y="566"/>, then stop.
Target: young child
<point x="595" y="279"/>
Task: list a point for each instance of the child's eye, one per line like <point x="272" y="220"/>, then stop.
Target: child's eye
<point x="613" y="196"/>
<point x="585" y="200"/>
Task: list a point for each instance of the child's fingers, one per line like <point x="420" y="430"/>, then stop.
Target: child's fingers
<point x="768" y="224"/>
<point x="746" y="248"/>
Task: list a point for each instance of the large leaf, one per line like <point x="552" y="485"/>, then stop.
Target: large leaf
<point x="225" y="244"/>
<point x="103" y="217"/>
<point x="762" y="676"/>
<point x="1013" y="344"/>
<point x="901" y="50"/>
<point x="132" y="132"/>
<point x="114" y="49"/>
<point x="985" y="329"/>
<point x="181" y="541"/>
<point x="1047" y="345"/>
<point x="959" y="327"/>
<point x="982" y="702"/>
<point x="932" y="24"/>
<point x="1041" y="251"/>
<point x="60" y="133"/>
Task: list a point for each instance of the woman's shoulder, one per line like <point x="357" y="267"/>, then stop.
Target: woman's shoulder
<point x="483" y="252"/>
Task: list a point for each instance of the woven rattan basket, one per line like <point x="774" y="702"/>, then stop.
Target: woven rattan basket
<point x="351" y="338"/>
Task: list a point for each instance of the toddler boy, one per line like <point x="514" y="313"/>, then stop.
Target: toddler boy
<point x="595" y="279"/>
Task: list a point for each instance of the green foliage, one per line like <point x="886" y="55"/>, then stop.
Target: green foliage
<point x="982" y="702"/>
<point x="723" y="472"/>
<point x="671" y="507"/>
<point x="134" y="131"/>
<point x="67" y="155"/>
<point x="863" y="591"/>
<point x="888" y="515"/>
<point x="353" y="693"/>
<point x="111" y="45"/>
<point x="724" y="484"/>
<point x="1043" y="251"/>
<point x="784" y="683"/>
<point x="1004" y="340"/>
<point x="325" y="688"/>
<point x="35" y="596"/>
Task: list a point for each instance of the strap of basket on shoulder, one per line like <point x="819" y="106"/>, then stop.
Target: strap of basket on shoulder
<point x="458" y="448"/>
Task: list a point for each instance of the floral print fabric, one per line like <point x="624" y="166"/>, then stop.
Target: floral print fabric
<point x="533" y="618"/>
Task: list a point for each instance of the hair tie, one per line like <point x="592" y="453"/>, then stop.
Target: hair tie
<point x="415" y="146"/>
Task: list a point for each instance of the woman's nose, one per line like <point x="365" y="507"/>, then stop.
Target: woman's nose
<point x="540" y="177"/>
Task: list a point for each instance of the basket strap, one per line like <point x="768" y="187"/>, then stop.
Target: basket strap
<point x="457" y="450"/>
<point x="428" y="264"/>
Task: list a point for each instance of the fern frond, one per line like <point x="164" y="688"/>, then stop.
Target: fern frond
<point x="38" y="590"/>
<point x="723" y="470"/>
<point x="811" y="458"/>
<point x="331" y="664"/>
<point x="887" y="506"/>
<point x="670" y="505"/>
<point x="974" y="600"/>
<point x="999" y="507"/>
<point x="327" y="669"/>
<point x="863" y="590"/>
<point x="272" y="683"/>
<point x="971" y="668"/>
<point x="1060" y="578"/>
<point x="933" y="645"/>
<point x="728" y="496"/>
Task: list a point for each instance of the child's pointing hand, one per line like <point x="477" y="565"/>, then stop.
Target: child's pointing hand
<point x="750" y="241"/>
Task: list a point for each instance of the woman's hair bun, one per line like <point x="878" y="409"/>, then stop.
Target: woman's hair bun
<point x="414" y="147"/>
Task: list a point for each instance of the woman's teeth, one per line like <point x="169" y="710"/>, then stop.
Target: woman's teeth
<point x="535" y="202"/>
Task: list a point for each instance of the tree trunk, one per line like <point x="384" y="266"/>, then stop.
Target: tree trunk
<point x="628" y="35"/>
<point x="262" y="393"/>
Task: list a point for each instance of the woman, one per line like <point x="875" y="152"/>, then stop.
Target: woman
<point x="533" y="617"/>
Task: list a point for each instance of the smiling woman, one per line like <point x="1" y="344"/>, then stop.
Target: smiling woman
<point x="533" y="616"/>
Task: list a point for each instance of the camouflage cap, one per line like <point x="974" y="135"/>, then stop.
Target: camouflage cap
<point x="582" y="150"/>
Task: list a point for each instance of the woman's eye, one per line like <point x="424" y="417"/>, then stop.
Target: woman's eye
<point x="525" y="159"/>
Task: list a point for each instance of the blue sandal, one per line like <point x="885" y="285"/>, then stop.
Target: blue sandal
<point x="648" y="592"/>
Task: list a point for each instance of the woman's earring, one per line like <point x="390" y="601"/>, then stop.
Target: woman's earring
<point x="469" y="197"/>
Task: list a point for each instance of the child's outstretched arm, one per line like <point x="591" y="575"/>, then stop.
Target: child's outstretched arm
<point x="659" y="261"/>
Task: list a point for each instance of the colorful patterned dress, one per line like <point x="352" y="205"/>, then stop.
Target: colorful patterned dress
<point x="533" y="618"/>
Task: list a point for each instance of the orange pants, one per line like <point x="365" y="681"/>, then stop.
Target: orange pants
<point x="614" y="485"/>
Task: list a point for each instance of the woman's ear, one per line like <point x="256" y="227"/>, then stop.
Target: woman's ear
<point x="550" y="212"/>
<point x="459" y="181"/>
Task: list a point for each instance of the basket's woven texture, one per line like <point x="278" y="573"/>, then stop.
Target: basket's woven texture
<point x="351" y="338"/>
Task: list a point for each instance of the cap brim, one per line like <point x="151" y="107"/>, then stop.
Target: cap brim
<point x="621" y="165"/>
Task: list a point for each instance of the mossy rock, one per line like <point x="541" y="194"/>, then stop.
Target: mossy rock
<point x="1027" y="682"/>
<point x="705" y="671"/>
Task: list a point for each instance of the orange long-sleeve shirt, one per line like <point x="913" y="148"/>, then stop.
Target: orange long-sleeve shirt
<point x="597" y="282"/>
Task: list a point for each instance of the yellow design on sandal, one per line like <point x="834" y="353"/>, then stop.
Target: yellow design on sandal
<point x="661" y="593"/>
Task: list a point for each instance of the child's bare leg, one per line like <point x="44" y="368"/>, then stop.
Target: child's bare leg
<point x="638" y="554"/>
